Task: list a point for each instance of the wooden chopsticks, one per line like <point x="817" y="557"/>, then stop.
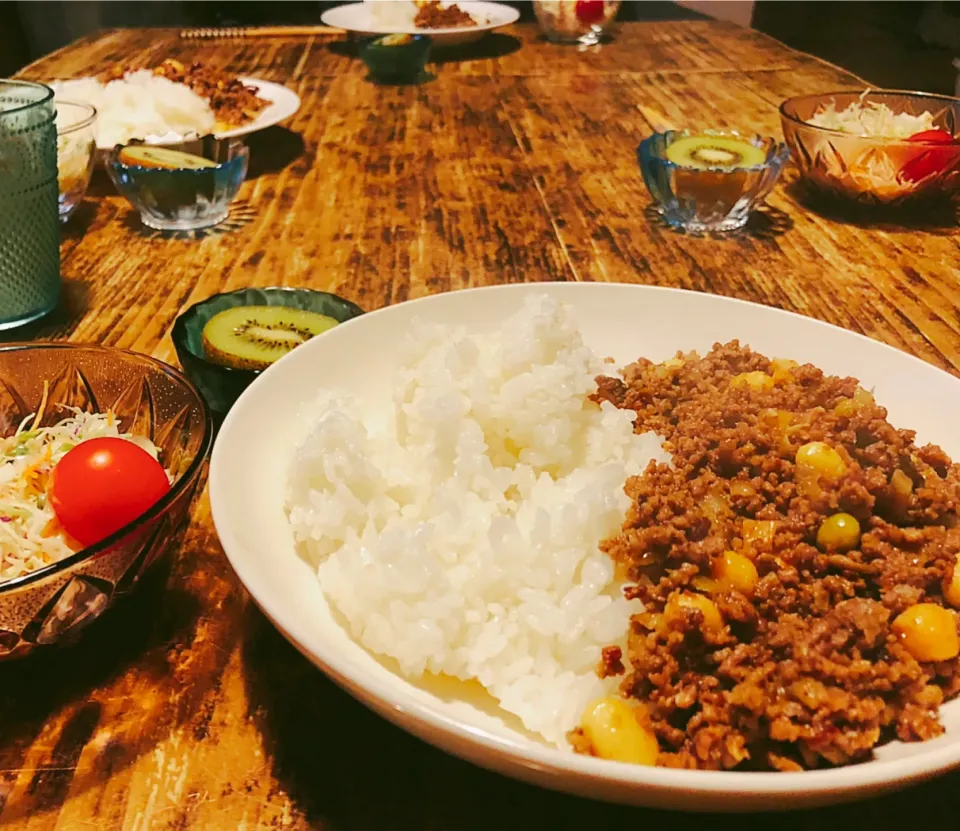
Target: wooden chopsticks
<point x="241" y="32"/>
<point x="657" y="120"/>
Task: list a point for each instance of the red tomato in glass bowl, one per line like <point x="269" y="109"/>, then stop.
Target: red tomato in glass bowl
<point x="589" y="12"/>
<point x="942" y="155"/>
<point x="102" y="484"/>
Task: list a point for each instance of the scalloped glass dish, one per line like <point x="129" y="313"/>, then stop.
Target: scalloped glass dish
<point x="150" y="399"/>
<point x="702" y="200"/>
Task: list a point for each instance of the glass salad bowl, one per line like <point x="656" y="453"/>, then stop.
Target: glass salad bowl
<point x="150" y="399"/>
<point x="875" y="170"/>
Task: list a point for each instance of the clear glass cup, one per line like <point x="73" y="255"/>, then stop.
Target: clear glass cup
<point x="576" y="21"/>
<point x="29" y="220"/>
<point x="76" y="153"/>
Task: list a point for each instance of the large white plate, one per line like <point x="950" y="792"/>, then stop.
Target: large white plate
<point x="284" y="102"/>
<point x="359" y="19"/>
<point x="256" y="443"/>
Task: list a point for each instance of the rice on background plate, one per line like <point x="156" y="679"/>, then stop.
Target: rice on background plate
<point x="457" y="530"/>
<point x="140" y="105"/>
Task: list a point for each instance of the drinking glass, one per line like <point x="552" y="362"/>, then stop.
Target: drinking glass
<point x="76" y="152"/>
<point x="29" y="220"/>
<point x="576" y="21"/>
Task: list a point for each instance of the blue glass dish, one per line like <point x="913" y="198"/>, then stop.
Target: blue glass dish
<point x="704" y="200"/>
<point x="184" y="199"/>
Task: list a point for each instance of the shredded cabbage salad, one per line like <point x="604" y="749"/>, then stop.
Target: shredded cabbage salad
<point x="30" y="535"/>
<point x="872" y="120"/>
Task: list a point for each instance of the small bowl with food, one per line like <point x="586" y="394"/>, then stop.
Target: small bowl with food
<point x="709" y="181"/>
<point x="877" y="148"/>
<point x="185" y="187"/>
<point x="102" y="451"/>
<point x="396" y="59"/>
<point x="224" y="342"/>
<point x="585" y="22"/>
<point x="76" y="153"/>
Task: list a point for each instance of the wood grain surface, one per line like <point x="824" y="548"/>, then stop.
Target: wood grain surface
<point x="515" y="162"/>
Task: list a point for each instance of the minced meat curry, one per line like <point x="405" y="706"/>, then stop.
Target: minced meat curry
<point x="798" y="568"/>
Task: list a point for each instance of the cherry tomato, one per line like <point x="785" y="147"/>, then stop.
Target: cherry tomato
<point x="589" y="11"/>
<point x="102" y="484"/>
<point x="932" y="137"/>
<point x="938" y="159"/>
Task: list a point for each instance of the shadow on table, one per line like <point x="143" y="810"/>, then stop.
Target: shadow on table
<point x="73" y="303"/>
<point x="940" y="219"/>
<point x="494" y="45"/>
<point x="80" y="221"/>
<point x="272" y="150"/>
<point x="57" y="686"/>
<point x="344" y="767"/>
<point x="765" y="223"/>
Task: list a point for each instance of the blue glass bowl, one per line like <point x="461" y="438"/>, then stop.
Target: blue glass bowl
<point x="221" y="386"/>
<point x="715" y="199"/>
<point x="183" y="199"/>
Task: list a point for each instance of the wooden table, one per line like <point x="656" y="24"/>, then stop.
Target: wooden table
<point x="516" y="162"/>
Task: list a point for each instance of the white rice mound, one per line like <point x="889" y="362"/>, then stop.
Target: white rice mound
<point x="459" y="535"/>
<point x="140" y="105"/>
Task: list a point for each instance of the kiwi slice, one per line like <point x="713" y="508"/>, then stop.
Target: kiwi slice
<point x="253" y="337"/>
<point x="139" y="155"/>
<point x="711" y="152"/>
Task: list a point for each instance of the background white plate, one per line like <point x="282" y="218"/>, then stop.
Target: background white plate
<point x="257" y="441"/>
<point x="357" y="18"/>
<point x="283" y="103"/>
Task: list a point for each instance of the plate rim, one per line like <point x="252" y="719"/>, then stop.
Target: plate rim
<point x="799" y="787"/>
<point x="511" y="16"/>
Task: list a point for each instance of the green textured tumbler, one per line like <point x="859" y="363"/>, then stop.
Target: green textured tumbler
<point x="29" y="218"/>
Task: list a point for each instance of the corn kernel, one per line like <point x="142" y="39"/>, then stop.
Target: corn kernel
<point x="821" y="460"/>
<point x="611" y="726"/>
<point x="928" y="632"/>
<point x="840" y="532"/>
<point x="753" y="380"/>
<point x="712" y="619"/>
<point x="846" y="408"/>
<point x="734" y="572"/>
<point x="756" y="531"/>
<point x="780" y="369"/>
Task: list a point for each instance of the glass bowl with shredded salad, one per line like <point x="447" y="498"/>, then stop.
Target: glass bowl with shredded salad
<point x="31" y="536"/>
<point x="876" y="147"/>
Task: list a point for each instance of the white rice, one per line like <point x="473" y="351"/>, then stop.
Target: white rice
<point x="459" y="534"/>
<point x="140" y="105"/>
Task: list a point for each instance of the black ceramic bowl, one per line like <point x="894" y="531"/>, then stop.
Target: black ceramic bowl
<point x="220" y="385"/>
<point x="396" y="59"/>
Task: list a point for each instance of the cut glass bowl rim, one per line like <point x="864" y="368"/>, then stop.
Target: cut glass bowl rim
<point x="874" y="94"/>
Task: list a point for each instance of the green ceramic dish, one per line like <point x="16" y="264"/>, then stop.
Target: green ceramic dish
<point x="396" y="59"/>
<point x="220" y="385"/>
